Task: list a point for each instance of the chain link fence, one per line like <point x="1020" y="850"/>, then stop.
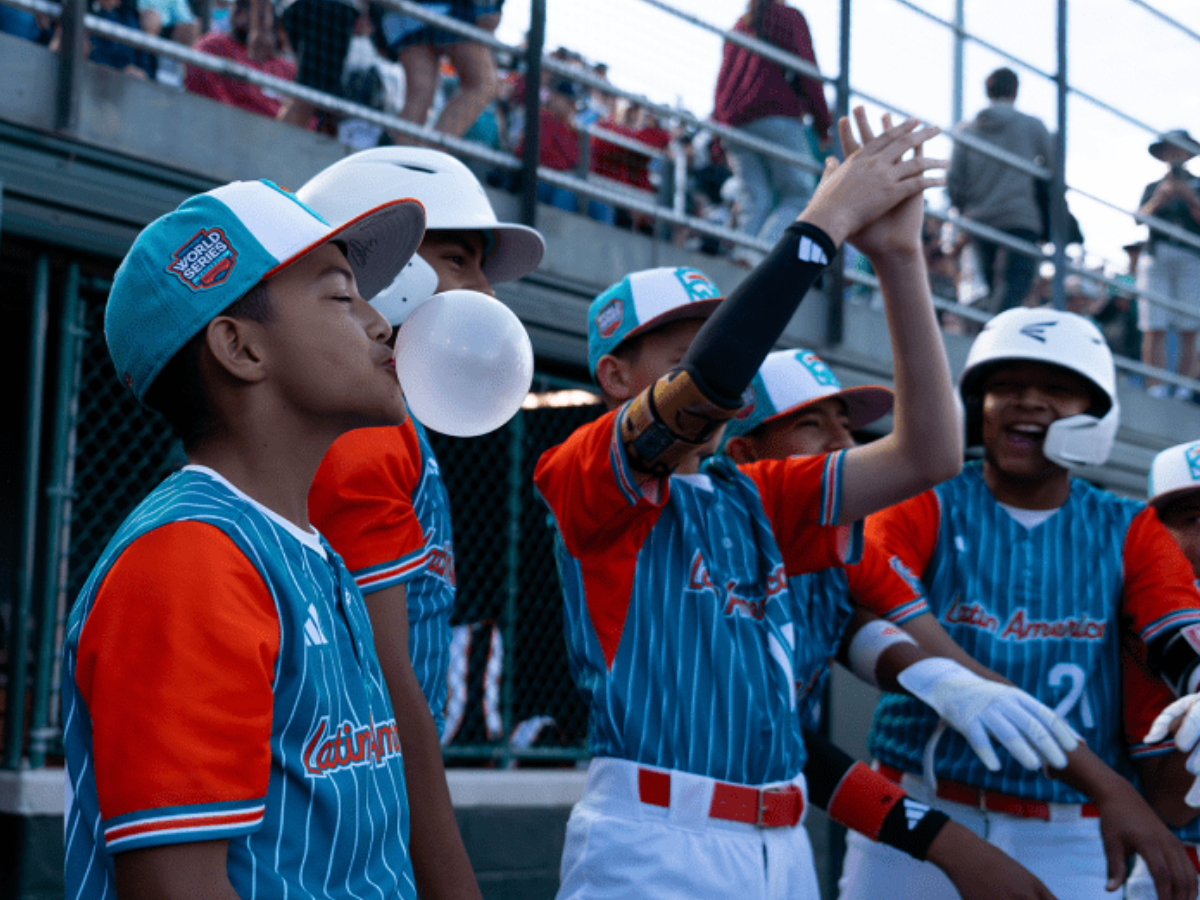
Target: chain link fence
<point x="516" y="700"/>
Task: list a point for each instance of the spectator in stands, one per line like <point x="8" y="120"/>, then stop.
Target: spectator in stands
<point x="558" y="148"/>
<point x="995" y="194"/>
<point x="220" y="16"/>
<point x="597" y="103"/>
<point x="941" y="259"/>
<point x="486" y="129"/>
<point x="1117" y="313"/>
<point x="232" y="46"/>
<point x="1173" y="268"/>
<point x="24" y="24"/>
<point x="769" y="102"/>
<point x="624" y="165"/>
<point x="106" y="51"/>
<point x="319" y="32"/>
<point x="419" y="48"/>
<point x="171" y="19"/>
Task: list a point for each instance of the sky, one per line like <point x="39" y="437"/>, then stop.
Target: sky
<point x="1119" y="52"/>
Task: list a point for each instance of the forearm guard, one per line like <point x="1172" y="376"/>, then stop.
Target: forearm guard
<point x="668" y="421"/>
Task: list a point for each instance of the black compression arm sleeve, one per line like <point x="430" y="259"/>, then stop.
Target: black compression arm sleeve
<point x="731" y="346"/>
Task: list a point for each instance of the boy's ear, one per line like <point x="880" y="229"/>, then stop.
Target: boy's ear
<point x="613" y="376"/>
<point x="740" y="450"/>
<point x="236" y="346"/>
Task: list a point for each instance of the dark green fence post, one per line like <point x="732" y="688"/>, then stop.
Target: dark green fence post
<point x="18" y="644"/>
<point x="57" y="523"/>
<point x="512" y="564"/>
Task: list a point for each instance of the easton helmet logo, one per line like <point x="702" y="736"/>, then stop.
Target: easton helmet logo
<point x="1036" y="330"/>
<point x="608" y="320"/>
<point x="205" y="261"/>
<point x="696" y="284"/>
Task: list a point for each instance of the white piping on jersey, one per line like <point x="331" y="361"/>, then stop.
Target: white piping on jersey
<point x="310" y="539"/>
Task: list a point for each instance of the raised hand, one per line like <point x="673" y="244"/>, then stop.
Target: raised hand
<point x="899" y="229"/>
<point x="873" y="179"/>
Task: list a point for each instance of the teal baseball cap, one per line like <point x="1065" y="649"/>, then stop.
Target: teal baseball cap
<point x="1174" y="472"/>
<point x="644" y="300"/>
<point x="790" y="380"/>
<point x="188" y="266"/>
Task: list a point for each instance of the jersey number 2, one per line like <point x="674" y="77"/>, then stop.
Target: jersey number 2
<point x="1077" y="677"/>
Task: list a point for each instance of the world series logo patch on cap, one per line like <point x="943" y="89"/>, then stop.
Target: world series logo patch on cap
<point x="205" y="261"/>
<point x="608" y="320"/>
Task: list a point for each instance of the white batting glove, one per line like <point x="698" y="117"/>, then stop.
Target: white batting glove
<point x="1032" y="732"/>
<point x="1185" y="711"/>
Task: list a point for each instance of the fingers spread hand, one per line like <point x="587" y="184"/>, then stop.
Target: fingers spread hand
<point x="846" y="135"/>
<point x="864" y="125"/>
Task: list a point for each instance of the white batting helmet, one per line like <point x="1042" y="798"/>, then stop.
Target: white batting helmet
<point x="453" y="198"/>
<point x="1060" y="339"/>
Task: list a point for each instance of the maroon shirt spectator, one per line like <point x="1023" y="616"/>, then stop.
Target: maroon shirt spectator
<point x="558" y="145"/>
<point x="751" y="87"/>
<point x="622" y="164"/>
<point x="229" y="90"/>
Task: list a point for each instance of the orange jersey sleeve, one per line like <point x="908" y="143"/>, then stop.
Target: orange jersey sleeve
<point x="1144" y="696"/>
<point x="176" y="665"/>
<point x="882" y="583"/>
<point x="591" y="490"/>
<point x="1159" y="589"/>
<point x="907" y="531"/>
<point x="361" y="498"/>
<point x="802" y="497"/>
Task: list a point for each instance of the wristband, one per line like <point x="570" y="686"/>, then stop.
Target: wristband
<point x="869" y="643"/>
<point x="1174" y="658"/>
<point x="878" y="808"/>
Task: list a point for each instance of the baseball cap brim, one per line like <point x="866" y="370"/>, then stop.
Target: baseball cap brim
<point x="518" y="251"/>
<point x="1166" y="497"/>
<point x="864" y="404"/>
<point x="379" y="244"/>
<point x="697" y="309"/>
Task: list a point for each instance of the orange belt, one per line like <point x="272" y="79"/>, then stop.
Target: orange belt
<point x="992" y="801"/>
<point x="779" y="807"/>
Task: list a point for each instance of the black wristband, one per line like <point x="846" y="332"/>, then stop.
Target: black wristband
<point x="1173" y="658"/>
<point x="728" y="350"/>
<point x="911" y="827"/>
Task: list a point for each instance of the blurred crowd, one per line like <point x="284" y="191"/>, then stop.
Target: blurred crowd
<point x="377" y="57"/>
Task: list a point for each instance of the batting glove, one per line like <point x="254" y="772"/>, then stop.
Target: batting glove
<point x="1032" y="732"/>
<point x="1185" y="710"/>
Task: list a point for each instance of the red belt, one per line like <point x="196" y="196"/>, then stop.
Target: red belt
<point x="992" y="801"/>
<point x="779" y="807"/>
